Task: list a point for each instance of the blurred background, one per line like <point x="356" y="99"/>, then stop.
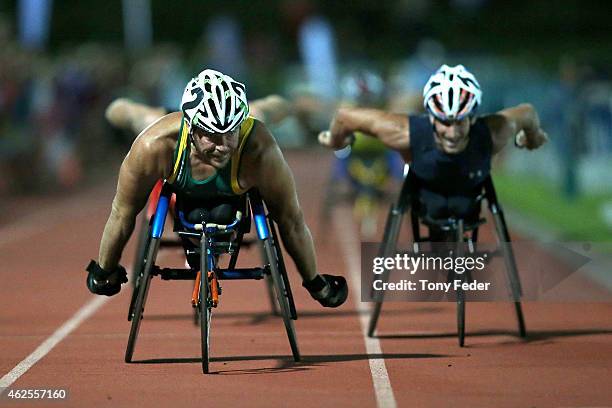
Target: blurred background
<point x="62" y="62"/>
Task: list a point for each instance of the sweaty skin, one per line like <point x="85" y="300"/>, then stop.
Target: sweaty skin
<point x="520" y="122"/>
<point x="262" y="166"/>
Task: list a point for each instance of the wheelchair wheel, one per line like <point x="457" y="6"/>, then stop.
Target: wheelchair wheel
<point x="141" y="296"/>
<point x="374" y="318"/>
<point x="461" y="315"/>
<point x="521" y="320"/>
<point x="269" y="285"/>
<point x="459" y="240"/>
<point x="283" y="271"/>
<point x="141" y="255"/>
<point x="141" y="248"/>
<point x="512" y="275"/>
<point x="271" y="295"/>
<point x="281" y="295"/>
<point x="388" y="247"/>
<point x="205" y="306"/>
<point x="377" y="308"/>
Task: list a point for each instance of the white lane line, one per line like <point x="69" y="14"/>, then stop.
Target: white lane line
<point x="347" y="233"/>
<point x="60" y="334"/>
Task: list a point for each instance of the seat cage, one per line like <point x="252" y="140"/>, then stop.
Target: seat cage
<point x="224" y="239"/>
<point x="409" y="198"/>
<point x="450" y="230"/>
<point x="211" y="241"/>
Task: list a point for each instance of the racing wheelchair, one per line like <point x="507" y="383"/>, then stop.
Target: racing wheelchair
<point x="207" y="233"/>
<point x="175" y="242"/>
<point x="457" y="233"/>
<point x="361" y="178"/>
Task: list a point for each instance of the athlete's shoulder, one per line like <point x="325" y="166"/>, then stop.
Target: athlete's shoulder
<point x="167" y="126"/>
<point x="419" y="126"/>
<point x="156" y="144"/>
<point x="259" y="140"/>
<point x="494" y="122"/>
<point x="161" y="134"/>
<point x="260" y="153"/>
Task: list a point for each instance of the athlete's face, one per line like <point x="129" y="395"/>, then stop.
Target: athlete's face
<point x="214" y="148"/>
<point x="452" y="136"/>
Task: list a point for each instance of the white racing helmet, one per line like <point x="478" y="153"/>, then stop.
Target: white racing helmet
<point x="214" y="102"/>
<point x="452" y="93"/>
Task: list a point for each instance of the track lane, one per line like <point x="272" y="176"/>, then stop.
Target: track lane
<point x="566" y="362"/>
<point x="246" y="343"/>
<point x="43" y="258"/>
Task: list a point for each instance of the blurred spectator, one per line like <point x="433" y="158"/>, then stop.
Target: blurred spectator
<point x="52" y="132"/>
<point x="318" y="49"/>
<point x="223" y="44"/>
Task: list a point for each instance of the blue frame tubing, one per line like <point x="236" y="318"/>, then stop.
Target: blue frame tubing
<point x="259" y="215"/>
<point x="159" y="218"/>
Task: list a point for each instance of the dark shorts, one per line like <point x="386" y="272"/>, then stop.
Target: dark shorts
<point x="218" y="210"/>
<point x="440" y="206"/>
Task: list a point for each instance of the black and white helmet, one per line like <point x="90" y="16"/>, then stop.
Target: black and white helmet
<point x="452" y="93"/>
<point x="214" y="102"/>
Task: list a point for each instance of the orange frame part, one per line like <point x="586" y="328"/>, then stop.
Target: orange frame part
<point x="196" y="290"/>
<point x="214" y="289"/>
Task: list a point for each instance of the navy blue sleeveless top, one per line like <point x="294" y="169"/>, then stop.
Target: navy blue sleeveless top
<point x="450" y="174"/>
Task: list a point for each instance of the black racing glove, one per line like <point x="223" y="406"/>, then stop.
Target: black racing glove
<point x="103" y="282"/>
<point x="328" y="290"/>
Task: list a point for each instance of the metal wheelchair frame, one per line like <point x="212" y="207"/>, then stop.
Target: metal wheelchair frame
<point x="214" y="240"/>
<point x="455" y="230"/>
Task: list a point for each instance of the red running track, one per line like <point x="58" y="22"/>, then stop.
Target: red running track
<point x="565" y="361"/>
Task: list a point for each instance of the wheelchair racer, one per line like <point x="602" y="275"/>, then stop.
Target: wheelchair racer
<point x="450" y="148"/>
<point x="130" y="117"/>
<point x="212" y="146"/>
<point x="367" y="165"/>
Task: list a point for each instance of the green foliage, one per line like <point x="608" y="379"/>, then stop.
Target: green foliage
<point x="578" y="220"/>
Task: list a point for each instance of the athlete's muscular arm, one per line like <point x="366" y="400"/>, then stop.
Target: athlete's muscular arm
<point x="265" y="168"/>
<point x="126" y="114"/>
<point x="146" y="163"/>
<point x="508" y="123"/>
<point x="270" y="109"/>
<point x="390" y="128"/>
